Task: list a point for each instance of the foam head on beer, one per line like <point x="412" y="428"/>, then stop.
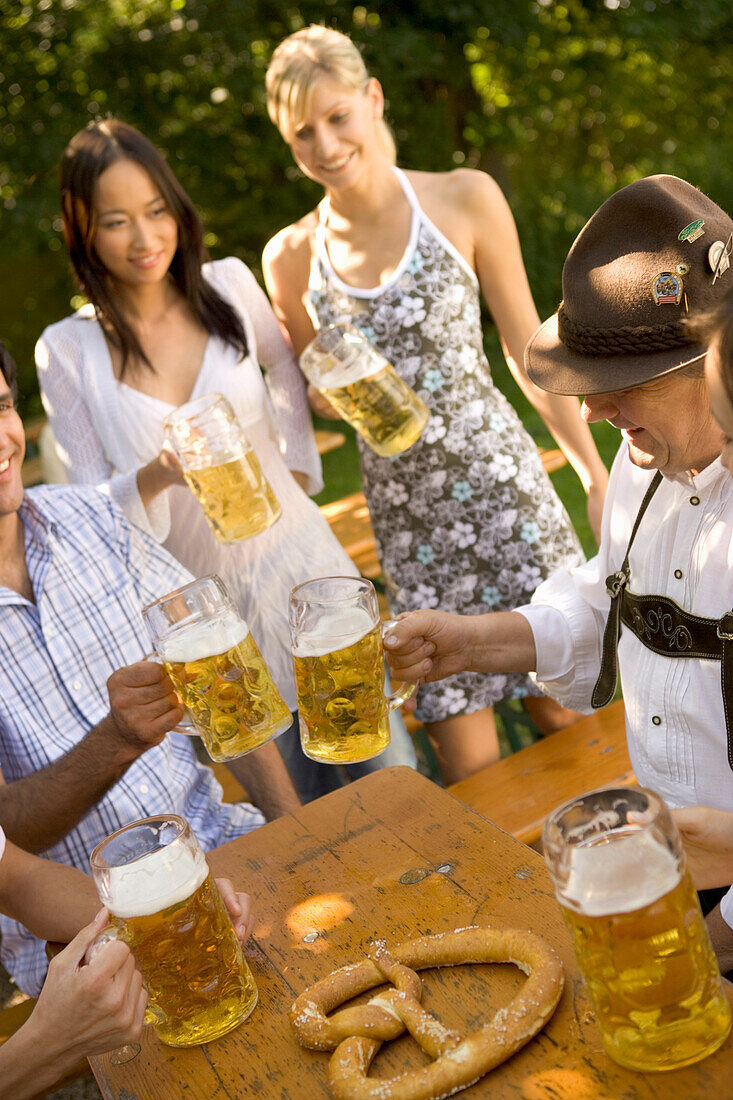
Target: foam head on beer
<point x="154" y="881"/>
<point x="619" y="874"/>
<point x="333" y="630"/>
<point x="203" y="638"/>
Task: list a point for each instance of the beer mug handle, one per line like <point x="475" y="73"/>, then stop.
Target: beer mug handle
<point x="186" y="725"/>
<point x="397" y="698"/>
<point x="109" y="935"/>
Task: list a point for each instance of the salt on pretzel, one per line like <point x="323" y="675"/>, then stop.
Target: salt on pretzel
<point x="357" y="1033"/>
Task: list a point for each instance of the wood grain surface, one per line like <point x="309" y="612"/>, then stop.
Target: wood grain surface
<point x="392" y="856"/>
<point x="518" y="792"/>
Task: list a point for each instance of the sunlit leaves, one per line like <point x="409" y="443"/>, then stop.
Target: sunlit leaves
<point x="562" y="101"/>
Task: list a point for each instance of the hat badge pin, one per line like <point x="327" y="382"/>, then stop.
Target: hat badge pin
<point x="667" y="288"/>
<point x="692" y="231"/>
<point x="718" y="257"/>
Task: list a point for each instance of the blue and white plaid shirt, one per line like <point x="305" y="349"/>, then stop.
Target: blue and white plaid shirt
<point x="92" y="572"/>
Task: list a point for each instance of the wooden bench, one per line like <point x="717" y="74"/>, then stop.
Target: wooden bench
<point x="518" y="792"/>
<point x="327" y="440"/>
<point x="349" y="520"/>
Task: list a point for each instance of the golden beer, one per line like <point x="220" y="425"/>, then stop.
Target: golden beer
<point x="382" y="408"/>
<point x="198" y="984"/>
<point x="340" y="687"/>
<point x="236" y="497"/>
<point x="644" y="951"/>
<point x="221" y="678"/>
<point x="154" y="880"/>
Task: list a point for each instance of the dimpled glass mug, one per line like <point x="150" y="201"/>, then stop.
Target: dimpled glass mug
<point x="164" y="904"/>
<point x="620" y="875"/>
<point x="221" y="468"/>
<point x="340" y="673"/>
<point x="364" y="388"/>
<point x="217" y="669"/>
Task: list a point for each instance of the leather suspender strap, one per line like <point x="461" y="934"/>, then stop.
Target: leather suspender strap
<point x="605" y="685"/>
<point x="726" y="683"/>
<point x="666" y="628"/>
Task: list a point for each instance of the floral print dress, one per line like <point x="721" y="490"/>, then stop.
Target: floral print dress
<point x="466" y="520"/>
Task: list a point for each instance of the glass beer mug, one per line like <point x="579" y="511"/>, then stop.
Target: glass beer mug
<point x="221" y="468"/>
<point x="621" y="878"/>
<point x="164" y="904"/>
<point x="364" y="388"/>
<point x="340" y="672"/>
<point x="217" y="669"/>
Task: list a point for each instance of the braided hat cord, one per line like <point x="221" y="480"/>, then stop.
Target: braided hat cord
<point x="624" y="340"/>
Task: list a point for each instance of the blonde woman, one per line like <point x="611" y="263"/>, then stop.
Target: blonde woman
<point x="465" y="519"/>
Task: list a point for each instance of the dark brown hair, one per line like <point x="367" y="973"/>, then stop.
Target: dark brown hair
<point x="10" y="371"/>
<point x="715" y="328"/>
<point x="87" y="155"/>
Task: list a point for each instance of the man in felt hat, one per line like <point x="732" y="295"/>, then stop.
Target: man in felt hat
<point x="656" y="601"/>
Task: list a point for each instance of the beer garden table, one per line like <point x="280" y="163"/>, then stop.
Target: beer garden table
<point x="392" y="856"/>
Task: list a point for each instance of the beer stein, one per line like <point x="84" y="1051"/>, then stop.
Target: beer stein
<point x="340" y="670"/>
<point x="620" y="875"/>
<point x="217" y="669"/>
<point x="365" y="389"/>
<point x="164" y="904"/>
<point x="221" y="468"/>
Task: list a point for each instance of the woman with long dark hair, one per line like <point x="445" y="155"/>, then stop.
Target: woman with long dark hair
<point x="163" y="325"/>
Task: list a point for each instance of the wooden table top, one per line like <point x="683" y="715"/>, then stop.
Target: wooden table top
<point x="393" y="856"/>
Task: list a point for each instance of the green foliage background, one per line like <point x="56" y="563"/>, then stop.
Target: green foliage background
<point x="562" y="102"/>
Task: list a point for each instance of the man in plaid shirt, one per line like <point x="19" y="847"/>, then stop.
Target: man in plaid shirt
<point x="85" y="742"/>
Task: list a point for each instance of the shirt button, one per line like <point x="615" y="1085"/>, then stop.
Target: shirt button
<point x="678" y="574"/>
<point x="76" y="685"/>
<point x="143" y="788"/>
<point x="694" y="500"/>
<point x="656" y="720"/>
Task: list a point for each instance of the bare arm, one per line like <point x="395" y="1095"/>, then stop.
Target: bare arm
<point x="54" y="901"/>
<point x="264" y="776"/>
<point x="39" y="809"/>
<point x="505" y="287"/>
<point x="430" y="645"/>
<point x="51" y="900"/>
<point x="158" y="475"/>
<point x="82" y="1010"/>
<point x="285" y="381"/>
<point x="286" y="266"/>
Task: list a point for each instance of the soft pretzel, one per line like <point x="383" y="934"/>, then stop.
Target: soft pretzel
<point x="357" y="1033"/>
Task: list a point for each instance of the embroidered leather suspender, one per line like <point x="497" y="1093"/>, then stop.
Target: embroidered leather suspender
<point x="664" y="627"/>
<point x="605" y="685"/>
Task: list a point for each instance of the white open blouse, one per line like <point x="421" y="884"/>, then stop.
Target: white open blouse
<point x="105" y="431"/>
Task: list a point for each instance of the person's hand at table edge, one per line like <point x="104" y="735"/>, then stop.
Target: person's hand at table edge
<point x="239" y="907"/>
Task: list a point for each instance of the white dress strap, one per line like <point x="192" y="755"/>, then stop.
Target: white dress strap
<point x="409" y="191"/>
<point x="323" y="271"/>
<point x="419" y="216"/>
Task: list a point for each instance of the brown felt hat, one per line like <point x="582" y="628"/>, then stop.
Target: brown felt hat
<point x="639" y="267"/>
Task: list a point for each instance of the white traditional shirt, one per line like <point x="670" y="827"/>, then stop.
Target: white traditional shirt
<point x="675" y="722"/>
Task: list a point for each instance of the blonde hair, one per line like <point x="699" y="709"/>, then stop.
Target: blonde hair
<point x="297" y="64"/>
